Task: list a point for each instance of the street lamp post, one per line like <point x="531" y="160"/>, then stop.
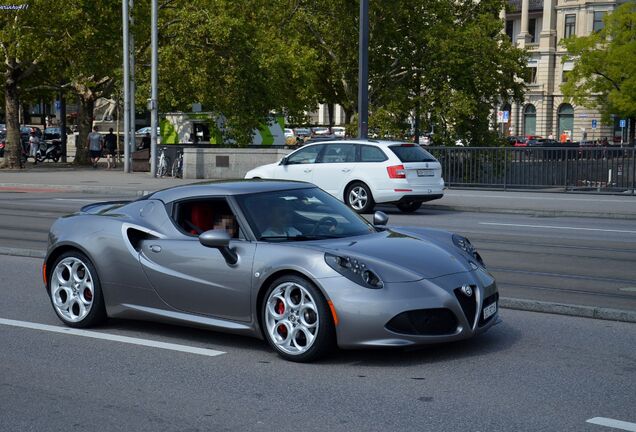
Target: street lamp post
<point x="153" y="96"/>
<point x="363" y="72"/>
<point x="126" y="88"/>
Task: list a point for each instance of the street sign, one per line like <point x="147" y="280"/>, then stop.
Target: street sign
<point x="593" y="124"/>
<point x="503" y="116"/>
<point x="622" y="123"/>
<point x="58" y="105"/>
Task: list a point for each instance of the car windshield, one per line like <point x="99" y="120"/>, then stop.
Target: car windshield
<point x="412" y="153"/>
<point x="300" y="214"/>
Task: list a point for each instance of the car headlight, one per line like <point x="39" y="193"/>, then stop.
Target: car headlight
<point x="464" y="244"/>
<point x="354" y="270"/>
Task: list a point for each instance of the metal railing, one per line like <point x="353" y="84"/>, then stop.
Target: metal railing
<point x="572" y="169"/>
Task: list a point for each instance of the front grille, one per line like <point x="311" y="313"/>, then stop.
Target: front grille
<point x="439" y="321"/>
<point x="468" y="304"/>
<point x="487" y="302"/>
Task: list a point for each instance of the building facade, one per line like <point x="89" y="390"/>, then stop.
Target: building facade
<point x="539" y="26"/>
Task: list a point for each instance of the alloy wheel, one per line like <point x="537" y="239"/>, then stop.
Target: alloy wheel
<point x="72" y="289"/>
<point x="291" y="318"/>
<point x="358" y="197"/>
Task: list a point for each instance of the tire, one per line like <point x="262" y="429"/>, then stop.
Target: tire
<point x="39" y="158"/>
<point x="294" y="309"/>
<point x="56" y="158"/>
<point x="358" y="196"/>
<point x="79" y="304"/>
<point x="409" y="207"/>
<point x="176" y="172"/>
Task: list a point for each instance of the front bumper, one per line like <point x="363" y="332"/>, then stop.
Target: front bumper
<point x="364" y="314"/>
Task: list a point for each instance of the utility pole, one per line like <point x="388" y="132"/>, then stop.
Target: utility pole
<point x="131" y="48"/>
<point x="153" y="92"/>
<point x="63" y="135"/>
<point x="126" y="88"/>
<point x="363" y="72"/>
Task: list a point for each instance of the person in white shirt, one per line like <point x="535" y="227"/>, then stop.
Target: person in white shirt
<point x="34" y="145"/>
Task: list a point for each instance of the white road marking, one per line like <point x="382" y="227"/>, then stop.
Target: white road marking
<point x="616" y="424"/>
<point x="558" y="227"/>
<point x="542" y="198"/>
<point x="75" y="199"/>
<point x="111" y="337"/>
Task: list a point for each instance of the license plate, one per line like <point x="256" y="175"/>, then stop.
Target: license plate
<point x="490" y="310"/>
<point x="425" y="173"/>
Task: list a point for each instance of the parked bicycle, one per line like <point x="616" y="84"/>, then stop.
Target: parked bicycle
<point x="177" y="165"/>
<point x="164" y="163"/>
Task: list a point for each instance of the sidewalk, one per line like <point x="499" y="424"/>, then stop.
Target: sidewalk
<point x="60" y="178"/>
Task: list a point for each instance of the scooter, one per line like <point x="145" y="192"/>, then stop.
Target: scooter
<point x="50" y="150"/>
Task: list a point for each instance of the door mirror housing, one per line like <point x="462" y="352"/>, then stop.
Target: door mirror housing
<point x="380" y="218"/>
<point x="283" y="161"/>
<point x="219" y="239"/>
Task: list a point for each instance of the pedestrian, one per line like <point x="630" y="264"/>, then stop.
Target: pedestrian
<point x="145" y="142"/>
<point x="551" y="137"/>
<point x="34" y="145"/>
<point x="95" y="146"/>
<point x="110" y="143"/>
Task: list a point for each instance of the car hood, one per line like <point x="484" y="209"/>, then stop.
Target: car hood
<point x="400" y="257"/>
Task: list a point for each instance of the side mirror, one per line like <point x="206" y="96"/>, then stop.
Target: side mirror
<point x="380" y="218"/>
<point x="283" y="161"/>
<point x="219" y="239"/>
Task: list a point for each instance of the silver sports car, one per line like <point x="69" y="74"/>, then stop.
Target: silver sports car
<point x="279" y="260"/>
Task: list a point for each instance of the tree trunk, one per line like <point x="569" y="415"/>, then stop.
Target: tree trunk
<point x="85" y="120"/>
<point x="348" y="111"/>
<point x="13" y="146"/>
<point x="632" y="126"/>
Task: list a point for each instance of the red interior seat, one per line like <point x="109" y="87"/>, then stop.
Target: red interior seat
<point x="202" y="217"/>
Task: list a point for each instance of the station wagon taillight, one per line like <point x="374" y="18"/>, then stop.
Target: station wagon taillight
<point x="396" y="171"/>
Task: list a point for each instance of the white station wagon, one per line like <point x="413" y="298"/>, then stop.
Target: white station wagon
<point x="363" y="172"/>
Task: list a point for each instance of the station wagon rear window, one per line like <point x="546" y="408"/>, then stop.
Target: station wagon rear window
<point x="412" y="153"/>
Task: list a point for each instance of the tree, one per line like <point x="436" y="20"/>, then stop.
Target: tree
<point x="604" y="74"/>
<point x="25" y="46"/>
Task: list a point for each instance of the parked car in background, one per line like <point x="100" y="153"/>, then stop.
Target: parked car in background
<point x="362" y="172"/>
<point x="302" y="132"/>
<point x="289" y="133"/>
<point x="339" y="131"/>
<point x="319" y="131"/>
<point x="52" y="133"/>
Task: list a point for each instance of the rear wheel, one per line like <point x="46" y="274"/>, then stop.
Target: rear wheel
<point x="75" y="291"/>
<point x="409" y="207"/>
<point x="296" y="320"/>
<point x="358" y="196"/>
<point x="162" y="169"/>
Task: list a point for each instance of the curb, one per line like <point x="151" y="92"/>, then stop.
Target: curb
<point x="30" y="253"/>
<point x="532" y="212"/>
<point x="109" y="190"/>
<point x="504" y="302"/>
<point x="568" y="309"/>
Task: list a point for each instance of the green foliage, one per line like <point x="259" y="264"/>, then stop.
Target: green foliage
<point x="604" y="74"/>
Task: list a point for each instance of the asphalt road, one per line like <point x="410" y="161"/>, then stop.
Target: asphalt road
<point x="533" y="372"/>
<point x="583" y="261"/>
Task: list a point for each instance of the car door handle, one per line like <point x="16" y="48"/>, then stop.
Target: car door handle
<point x="307" y="170"/>
<point x="155" y="248"/>
<point x="345" y="170"/>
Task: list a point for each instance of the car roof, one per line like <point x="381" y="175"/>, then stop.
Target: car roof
<point x="225" y="188"/>
<point x="380" y="143"/>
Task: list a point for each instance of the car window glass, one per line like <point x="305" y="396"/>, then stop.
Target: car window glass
<point x="197" y="216"/>
<point x="301" y="214"/>
<point x="337" y="153"/>
<point x="411" y="153"/>
<point x="306" y="155"/>
<point x="371" y="154"/>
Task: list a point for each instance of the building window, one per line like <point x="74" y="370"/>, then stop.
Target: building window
<point x="530" y="120"/>
<point x="531" y="75"/>
<point x="532" y="29"/>
<point x="510" y="28"/>
<point x="570" y="25"/>
<point x="598" y="21"/>
<point x="566" y="120"/>
<point x="565" y="76"/>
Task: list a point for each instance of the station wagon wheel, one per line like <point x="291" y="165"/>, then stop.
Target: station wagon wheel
<point x="296" y="320"/>
<point x="358" y="196"/>
<point x="75" y="291"/>
<point x="409" y="207"/>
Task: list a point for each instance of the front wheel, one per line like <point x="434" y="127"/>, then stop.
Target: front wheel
<point x="409" y="207"/>
<point x="296" y="320"/>
<point x="358" y="196"/>
<point x="75" y="291"/>
<point x="162" y="169"/>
